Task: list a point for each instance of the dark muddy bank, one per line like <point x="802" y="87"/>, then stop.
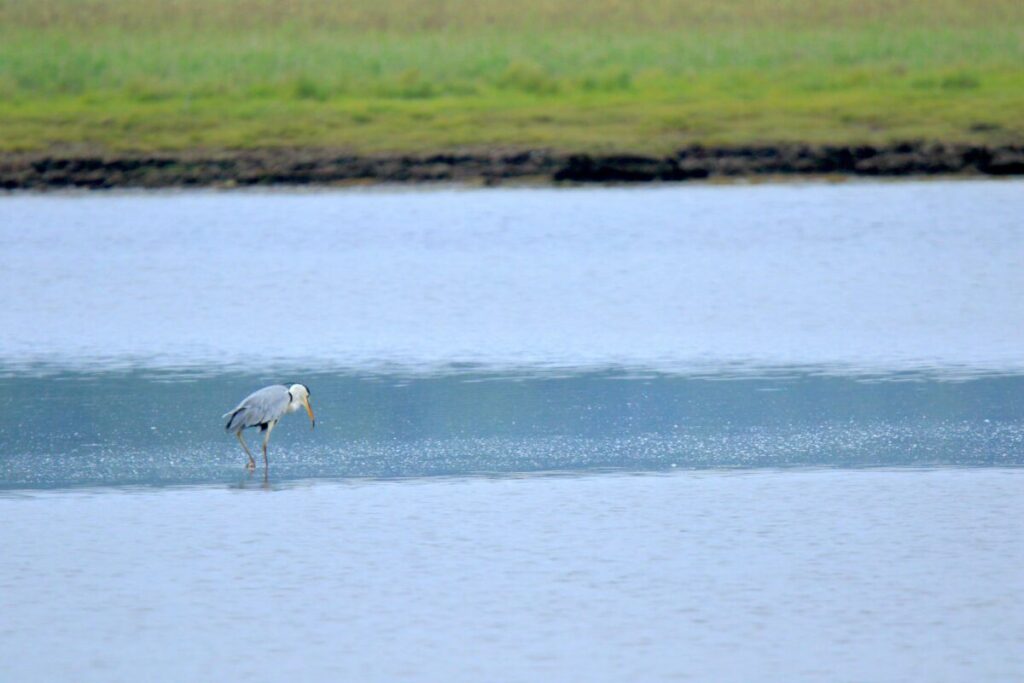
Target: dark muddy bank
<point x="324" y="167"/>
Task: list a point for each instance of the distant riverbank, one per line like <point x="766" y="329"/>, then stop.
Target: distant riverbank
<point x="149" y="93"/>
<point x="329" y="167"/>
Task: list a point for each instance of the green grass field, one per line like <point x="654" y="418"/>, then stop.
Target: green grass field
<point x="432" y="75"/>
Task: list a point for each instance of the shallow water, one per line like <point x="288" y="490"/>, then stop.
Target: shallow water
<point x="716" y="433"/>
<point x="149" y="428"/>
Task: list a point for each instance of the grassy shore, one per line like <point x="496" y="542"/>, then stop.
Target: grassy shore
<point x="426" y="75"/>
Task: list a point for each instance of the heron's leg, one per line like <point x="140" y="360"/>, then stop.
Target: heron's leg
<point x="266" y="439"/>
<point x="252" y="461"/>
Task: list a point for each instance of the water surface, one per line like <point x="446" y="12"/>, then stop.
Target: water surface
<point x="709" y="433"/>
<point x="837" y="575"/>
<point x="855" y="278"/>
<point x="154" y="428"/>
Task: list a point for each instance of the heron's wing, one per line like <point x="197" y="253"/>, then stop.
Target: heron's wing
<point x="266" y="405"/>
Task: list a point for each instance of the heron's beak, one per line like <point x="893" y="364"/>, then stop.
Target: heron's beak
<point x="309" y="410"/>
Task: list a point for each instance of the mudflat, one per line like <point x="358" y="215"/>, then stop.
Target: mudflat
<point x="329" y="167"/>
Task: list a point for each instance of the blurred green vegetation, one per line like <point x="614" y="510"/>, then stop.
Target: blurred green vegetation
<point x="431" y="75"/>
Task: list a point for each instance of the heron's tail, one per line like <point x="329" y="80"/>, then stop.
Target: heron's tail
<point x="230" y="417"/>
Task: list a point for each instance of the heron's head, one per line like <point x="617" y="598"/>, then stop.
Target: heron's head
<point x="300" y="395"/>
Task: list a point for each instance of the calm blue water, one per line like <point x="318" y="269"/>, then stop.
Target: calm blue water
<point x="825" y="575"/>
<point x="708" y="433"/>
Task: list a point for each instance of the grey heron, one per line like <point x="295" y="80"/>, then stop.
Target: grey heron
<point x="263" y="409"/>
